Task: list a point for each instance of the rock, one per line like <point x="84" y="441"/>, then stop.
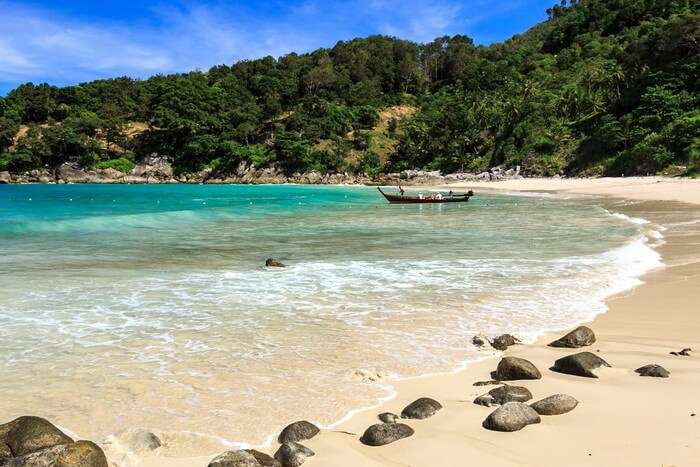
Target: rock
<point x="512" y="368"/>
<point x="368" y="376"/>
<point x="388" y="417"/>
<point x="579" y="337"/>
<point x="555" y="405"/>
<point x="5" y="177"/>
<point x="422" y="408"/>
<point x="655" y="371"/>
<point x="504" y="341"/>
<point x="293" y="454"/>
<point x="684" y="352"/>
<point x="480" y="341"/>
<point x="487" y="400"/>
<point x="154" y="166"/>
<point x="385" y="433"/>
<point x="298" y="431"/>
<point x="512" y="416"/>
<point x="244" y="458"/>
<point x="503" y="394"/>
<point x="273" y="263"/>
<point x="490" y="382"/>
<point x="580" y="364"/>
<point x="25" y="435"/>
<point x="78" y="454"/>
<point x="139" y="441"/>
<point x="72" y="172"/>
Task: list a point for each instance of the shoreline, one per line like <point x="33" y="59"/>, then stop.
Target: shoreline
<point x="338" y="443"/>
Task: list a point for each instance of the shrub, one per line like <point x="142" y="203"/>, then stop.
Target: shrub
<point x="122" y="165"/>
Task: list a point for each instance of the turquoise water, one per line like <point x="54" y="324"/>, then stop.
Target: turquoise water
<point x="149" y="305"/>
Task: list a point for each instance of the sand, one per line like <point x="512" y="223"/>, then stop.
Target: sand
<point x="622" y="419"/>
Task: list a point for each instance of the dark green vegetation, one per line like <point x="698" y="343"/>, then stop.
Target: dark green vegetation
<point x="602" y="87"/>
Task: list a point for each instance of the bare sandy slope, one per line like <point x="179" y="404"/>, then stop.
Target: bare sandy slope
<point x="639" y="188"/>
<point x="622" y="419"/>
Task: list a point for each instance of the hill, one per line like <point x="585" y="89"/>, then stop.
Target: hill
<point x="603" y="87"/>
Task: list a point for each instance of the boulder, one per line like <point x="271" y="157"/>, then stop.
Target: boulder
<point x="555" y="405"/>
<point x="244" y="458"/>
<point x="685" y="352"/>
<point x="293" y="454"/>
<point x="273" y="263"/>
<point x="480" y="341"/>
<point x="385" y="433"/>
<point x="72" y="172"/>
<point x="388" y="417"/>
<point x="422" y="408"/>
<point x="298" y="431"/>
<point x="512" y="416"/>
<point x="655" y="371"/>
<point x="139" y="441"/>
<point x="5" y="177"/>
<point x="503" y="394"/>
<point x="490" y="382"/>
<point x="154" y="166"/>
<point x="512" y="368"/>
<point x="579" y="337"/>
<point x="580" y="364"/>
<point x="25" y="435"/>
<point x="504" y="341"/>
<point x="78" y="454"/>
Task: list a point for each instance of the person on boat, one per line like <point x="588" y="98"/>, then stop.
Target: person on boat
<point x="401" y="190"/>
<point x="451" y="193"/>
<point x="420" y="196"/>
<point x="438" y="196"/>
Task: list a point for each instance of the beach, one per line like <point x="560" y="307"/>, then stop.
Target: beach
<point x="621" y="418"/>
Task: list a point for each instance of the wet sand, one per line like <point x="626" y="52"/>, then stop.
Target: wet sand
<point x="622" y="419"/>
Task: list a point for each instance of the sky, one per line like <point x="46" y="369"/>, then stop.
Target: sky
<point x="72" y="41"/>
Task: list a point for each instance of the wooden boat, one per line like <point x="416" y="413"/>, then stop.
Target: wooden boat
<point x="454" y="198"/>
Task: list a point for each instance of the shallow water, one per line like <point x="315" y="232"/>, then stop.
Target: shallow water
<point x="148" y="306"/>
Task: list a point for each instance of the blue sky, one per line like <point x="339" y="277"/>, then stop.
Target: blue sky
<point x="66" y="42"/>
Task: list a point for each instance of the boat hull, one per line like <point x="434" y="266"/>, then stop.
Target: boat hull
<point x="398" y="199"/>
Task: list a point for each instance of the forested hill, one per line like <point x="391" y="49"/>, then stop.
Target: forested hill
<point x="602" y="87"/>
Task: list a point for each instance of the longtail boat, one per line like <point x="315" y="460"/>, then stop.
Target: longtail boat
<point x="403" y="199"/>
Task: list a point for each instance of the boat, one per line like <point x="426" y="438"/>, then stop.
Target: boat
<point x="403" y="199"/>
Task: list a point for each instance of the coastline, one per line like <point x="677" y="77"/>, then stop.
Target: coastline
<point x="630" y="334"/>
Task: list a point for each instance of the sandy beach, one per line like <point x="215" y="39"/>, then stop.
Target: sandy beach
<point x="622" y="419"/>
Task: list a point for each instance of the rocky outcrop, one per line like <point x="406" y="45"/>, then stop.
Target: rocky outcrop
<point x="512" y="416"/>
<point x="274" y="263"/>
<point x="154" y="166"/>
<point x="78" y="454"/>
<point x="5" y="177"/>
<point x="385" y="433"/>
<point x="654" y="371"/>
<point x="555" y="405"/>
<point x="580" y="364"/>
<point x="388" y="417"/>
<point x="579" y="337"/>
<point x="422" y="408"/>
<point x="25" y="435"/>
<point x="292" y="454"/>
<point x="504" y="394"/>
<point x="298" y="431"/>
<point x="514" y="368"/>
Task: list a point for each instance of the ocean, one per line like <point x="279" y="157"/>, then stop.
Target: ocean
<point x="150" y="306"/>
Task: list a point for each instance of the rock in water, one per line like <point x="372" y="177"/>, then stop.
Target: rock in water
<point x="298" y="431"/>
<point x="512" y="368"/>
<point x="422" y="408"/>
<point x="388" y="417"/>
<point x="78" y="454"/>
<point x="655" y="371"/>
<point x="504" y="341"/>
<point x="292" y="454"/>
<point x="244" y="458"/>
<point x="555" y="405"/>
<point x="139" y="441"/>
<point x="512" y="416"/>
<point x="579" y="337"/>
<point x="25" y="435"/>
<point x="580" y="364"/>
<point x="273" y="263"/>
<point x="385" y="433"/>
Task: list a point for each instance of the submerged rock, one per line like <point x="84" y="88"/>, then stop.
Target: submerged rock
<point x="504" y="341"/>
<point x="513" y="368"/>
<point x="579" y="337"/>
<point x="580" y="364"/>
<point x="385" y="433"/>
<point x="298" y="431"/>
<point x="388" y="417"/>
<point x="512" y="416"/>
<point x="292" y="454"/>
<point x="555" y="405"/>
<point x="655" y="371"/>
<point x="422" y="408"/>
<point x="25" y="435"/>
<point x="139" y="441"/>
<point x="273" y="263"/>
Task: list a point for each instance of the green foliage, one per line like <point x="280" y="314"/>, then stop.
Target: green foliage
<point x="601" y="87"/>
<point x="121" y="164"/>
